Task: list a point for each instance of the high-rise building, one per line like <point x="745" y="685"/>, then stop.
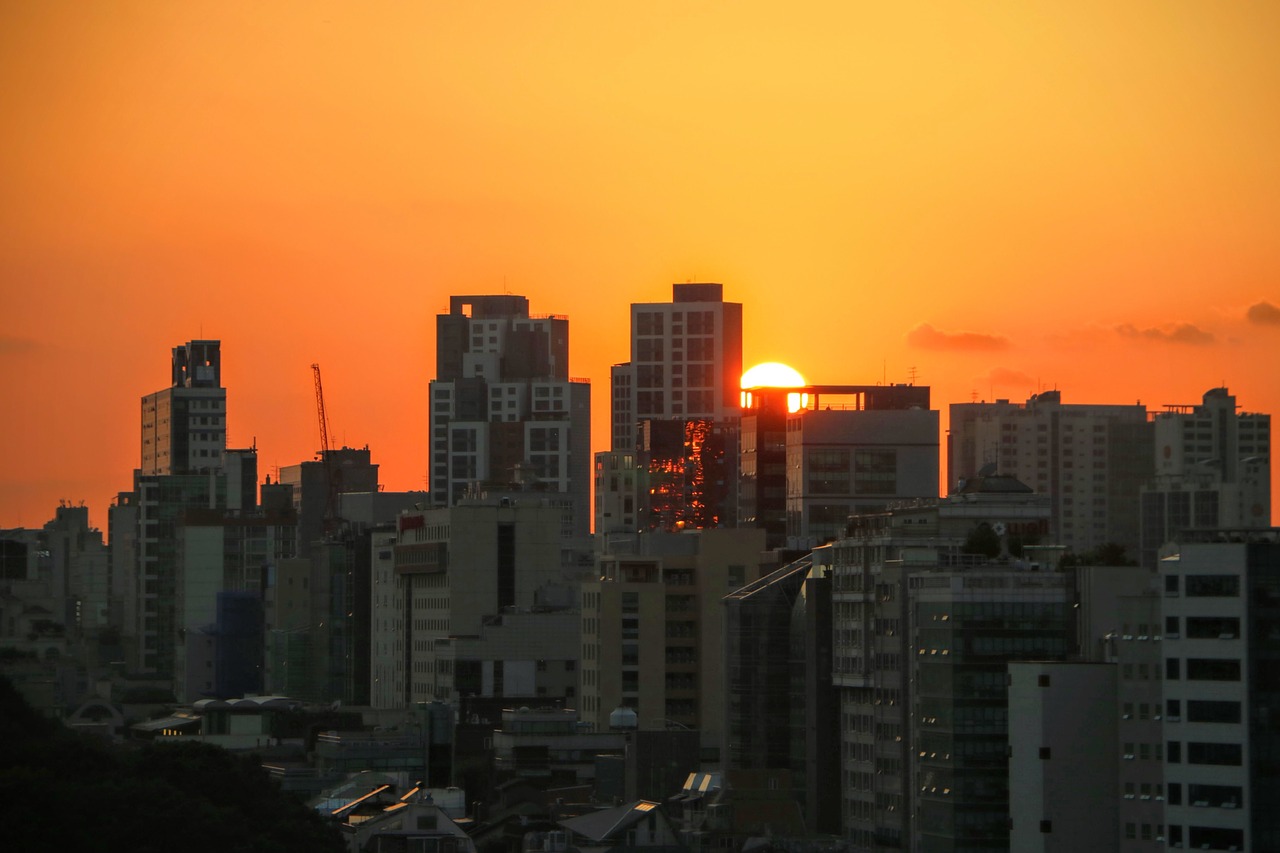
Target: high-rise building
<point x="929" y="604"/>
<point x="184" y="426"/>
<point x="1221" y="653"/>
<point x="686" y="360"/>
<point x="1212" y="470"/>
<point x="484" y="603"/>
<point x="653" y="628"/>
<point x="813" y="455"/>
<point x="674" y="405"/>
<point x="1063" y="795"/>
<point x="504" y="411"/>
<point x="314" y="496"/>
<point x="780" y="705"/>
<point x="1091" y="460"/>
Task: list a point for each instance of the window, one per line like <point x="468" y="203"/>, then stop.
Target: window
<point x="1213" y="669"/>
<point x="1213" y="586"/>
<point x="1208" y="711"/>
<point x="1172" y="669"/>
<point x="1226" y="754"/>
<point x="1044" y="752"/>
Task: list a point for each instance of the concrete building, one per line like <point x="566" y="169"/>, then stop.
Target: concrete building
<point x="813" y="455"/>
<point x="1062" y="761"/>
<point x="184" y="426"/>
<point x="1091" y="460"/>
<point x="617" y="490"/>
<point x="653" y="629"/>
<point x="674" y="407"/>
<point x="223" y="565"/>
<point x="929" y="604"/>
<point x="504" y="411"/>
<point x="480" y="590"/>
<point x="781" y="711"/>
<point x="1221" y="651"/>
<point x="316" y="500"/>
<point x="686" y="360"/>
<point x="1212" y="470"/>
<point x="161" y="503"/>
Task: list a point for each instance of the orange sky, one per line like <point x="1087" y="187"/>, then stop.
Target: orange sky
<point x="999" y="197"/>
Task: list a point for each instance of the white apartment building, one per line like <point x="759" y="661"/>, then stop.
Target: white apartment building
<point x="1091" y="460"/>
<point x="1221" y="657"/>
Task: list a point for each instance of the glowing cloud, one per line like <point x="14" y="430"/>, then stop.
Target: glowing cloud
<point x="925" y="336"/>
<point x="1170" y="333"/>
<point x="1264" y="314"/>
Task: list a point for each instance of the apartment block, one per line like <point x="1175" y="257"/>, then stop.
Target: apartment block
<point x="504" y="412"/>
<point x="1090" y="460"/>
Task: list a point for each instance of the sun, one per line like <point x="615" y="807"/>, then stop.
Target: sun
<point x="772" y="374"/>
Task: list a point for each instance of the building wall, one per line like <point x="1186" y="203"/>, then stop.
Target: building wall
<point x="1221" y="606"/>
<point x="1091" y="460"/>
<point x="653" y="629"/>
<point x="1062" y="730"/>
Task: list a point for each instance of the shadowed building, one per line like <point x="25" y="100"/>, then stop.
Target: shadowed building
<point x="505" y="414"/>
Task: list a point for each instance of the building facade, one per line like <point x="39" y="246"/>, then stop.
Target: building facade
<point x="653" y="629"/>
<point x="1091" y="460"/>
<point x="1221" y="653"/>
<point x="504" y="412"/>
<point x="184" y="426"/>
<point x="1212" y="470"/>
<point x="811" y="456"/>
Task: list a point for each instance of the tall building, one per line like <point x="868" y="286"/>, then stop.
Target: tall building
<point x="674" y="406"/>
<point x="1212" y="470"/>
<point x="315" y="496"/>
<point x="929" y="604"/>
<point x="184" y="426"/>
<point x="1221" y="653"/>
<point x="780" y="706"/>
<point x="504" y="410"/>
<point x="812" y="455"/>
<point x="1091" y="460"/>
<point x="653" y="629"/>
<point x="483" y="601"/>
<point x="1062" y="757"/>
<point x="686" y="360"/>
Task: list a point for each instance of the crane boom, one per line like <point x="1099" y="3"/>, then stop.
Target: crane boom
<point x="332" y="487"/>
<point x="324" y="420"/>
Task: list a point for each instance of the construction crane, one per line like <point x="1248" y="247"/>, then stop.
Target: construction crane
<point x="331" y="474"/>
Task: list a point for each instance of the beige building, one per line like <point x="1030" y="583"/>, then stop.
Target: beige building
<point x="653" y="628"/>
<point x="479" y="593"/>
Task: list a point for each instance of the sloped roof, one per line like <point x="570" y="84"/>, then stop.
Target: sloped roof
<point x="607" y="823"/>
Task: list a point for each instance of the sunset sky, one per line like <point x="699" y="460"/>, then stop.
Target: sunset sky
<point x="994" y="198"/>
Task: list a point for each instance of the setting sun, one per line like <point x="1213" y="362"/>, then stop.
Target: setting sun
<point x="772" y="374"/>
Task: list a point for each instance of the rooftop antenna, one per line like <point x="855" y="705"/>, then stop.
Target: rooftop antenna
<point x="912" y="373"/>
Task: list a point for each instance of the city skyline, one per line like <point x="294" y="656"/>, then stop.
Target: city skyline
<point x="1081" y="199"/>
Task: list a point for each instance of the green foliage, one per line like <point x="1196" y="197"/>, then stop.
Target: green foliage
<point x="62" y="791"/>
<point x="982" y="540"/>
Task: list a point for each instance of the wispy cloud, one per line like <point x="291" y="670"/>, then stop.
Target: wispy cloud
<point x="926" y="336"/>
<point x="1170" y="333"/>
<point x="1264" y="314"/>
<point x="14" y="345"/>
<point x="1003" y="377"/>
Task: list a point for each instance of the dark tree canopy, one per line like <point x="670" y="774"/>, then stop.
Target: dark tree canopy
<point x="62" y="791"/>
